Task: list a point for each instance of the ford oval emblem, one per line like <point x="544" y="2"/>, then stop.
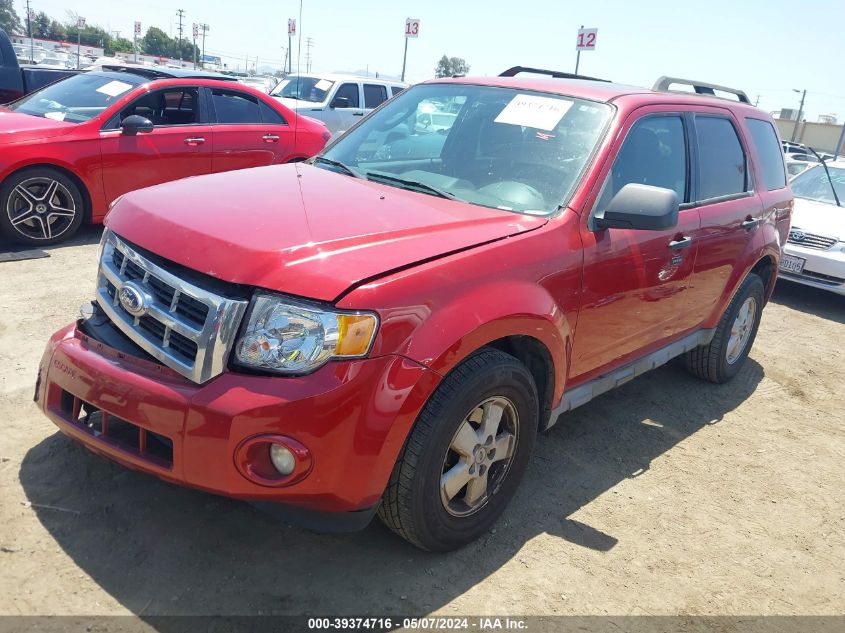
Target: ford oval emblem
<point x="133" y="299"/>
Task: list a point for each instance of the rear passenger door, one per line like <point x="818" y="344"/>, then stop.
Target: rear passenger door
<point x="374" y="96"/>
<point x="730" y="211"/>
<point x="247" y="131"/>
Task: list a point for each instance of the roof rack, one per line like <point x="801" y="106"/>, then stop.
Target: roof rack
<point x="663" y="85"/>
<point x="512" y="72"/>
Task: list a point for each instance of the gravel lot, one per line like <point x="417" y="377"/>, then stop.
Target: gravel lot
<point x="667" y="496"/>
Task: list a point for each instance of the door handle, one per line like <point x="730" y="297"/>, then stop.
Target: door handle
<point x="750" y="223"/>
<point x="682" y="242"/>
<point x="270" y="138"/>
<point x="194" y="140"/>
<point x="357" y="114"/>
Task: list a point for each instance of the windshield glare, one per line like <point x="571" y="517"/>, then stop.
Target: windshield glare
<point x="813" y="184"/>
<point x="79" y="98"/>
<point x="510" y="149"/>
<point x="311" y="89"/>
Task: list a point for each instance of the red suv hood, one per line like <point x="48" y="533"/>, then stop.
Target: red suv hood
<point x="15" y="127"/>
<point x="300" y="229"/>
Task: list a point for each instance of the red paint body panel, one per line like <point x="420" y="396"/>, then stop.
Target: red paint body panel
<point x="445" y="278"/>
<point x="108" y="165"/>
<point x="352" y="416"/>
<point x="311" y="232"/>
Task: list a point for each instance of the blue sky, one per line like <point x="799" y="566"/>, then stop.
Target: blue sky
<point x="766" y="47"/>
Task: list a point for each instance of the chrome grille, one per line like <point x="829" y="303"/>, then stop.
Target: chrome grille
<point x="810" y="240"/>
<point x="187" y="328"/>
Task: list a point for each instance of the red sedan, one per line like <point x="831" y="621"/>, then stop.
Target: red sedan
<point x="70" y="149"/>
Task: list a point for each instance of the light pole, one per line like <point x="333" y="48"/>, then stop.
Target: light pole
<point x="800" y="112"/>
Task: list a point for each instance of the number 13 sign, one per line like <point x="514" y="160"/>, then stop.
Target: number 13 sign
<point x="586" y="40"/>
<point x="412" y="27"/>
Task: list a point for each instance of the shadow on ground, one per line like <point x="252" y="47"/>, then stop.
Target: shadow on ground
<point x="87" y="234"/>
<point x="803" y="298"/>
<point x="161" y="549"/>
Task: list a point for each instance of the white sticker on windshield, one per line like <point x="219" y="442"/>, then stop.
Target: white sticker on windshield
<point x="323" y="84"/>
<point x="56" y="116"/>
<point x="114" y="88"/>
<point x="543" y="113"/>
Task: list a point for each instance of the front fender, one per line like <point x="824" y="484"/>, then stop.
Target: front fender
<point x="440" y="339"/>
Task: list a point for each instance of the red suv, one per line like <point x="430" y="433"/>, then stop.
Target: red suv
<point x="387" y="327"/>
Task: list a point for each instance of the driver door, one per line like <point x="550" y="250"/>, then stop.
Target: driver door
<point x="636" y="282"/>
<point x="179" y="146"/>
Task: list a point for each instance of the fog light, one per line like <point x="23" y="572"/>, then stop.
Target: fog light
<point x="283" y="460"/>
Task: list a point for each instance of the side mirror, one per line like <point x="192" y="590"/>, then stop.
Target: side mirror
<point x="136" y="124"/>
<point x="341" y="102"/>
<point x="641" y="207"/>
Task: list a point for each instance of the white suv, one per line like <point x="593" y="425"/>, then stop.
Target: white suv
<point x="339" y="101"/>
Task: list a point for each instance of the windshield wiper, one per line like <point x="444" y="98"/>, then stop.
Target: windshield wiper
<point x="336" y="163"/>
<point x="827" y="172"/>
<point x="411" y="184"/>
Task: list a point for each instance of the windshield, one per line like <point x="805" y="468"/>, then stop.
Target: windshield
<point x="509" y="149"/>
<point x="78" y="98"/>
<point x="813" y="184"/>
<point x="311" y="89"/>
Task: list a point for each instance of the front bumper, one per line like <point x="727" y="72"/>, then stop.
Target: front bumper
<point x="352" y="416"/>
<point x="824" y="269"/>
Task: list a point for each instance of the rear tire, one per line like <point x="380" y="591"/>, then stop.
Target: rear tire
<point x="465" y="456"/>
<point x="40" y="206"/>
<point x="724" y="356"/>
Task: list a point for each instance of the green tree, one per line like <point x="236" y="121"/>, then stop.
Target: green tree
<point x="448" y="66"/>
<point x="57" y="31"/>
<point x="157" y="42"/>
<point x="9" y="20"/>
<point x="119" y="45"/>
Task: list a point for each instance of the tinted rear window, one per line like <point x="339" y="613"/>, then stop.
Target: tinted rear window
<point x="721" y="158"/>
<point x="374" y="95"/>
<point x="771" y="158"/>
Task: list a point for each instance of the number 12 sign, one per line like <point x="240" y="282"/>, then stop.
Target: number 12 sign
<point x="586" y="40"/>
<point x="412" y="27"/>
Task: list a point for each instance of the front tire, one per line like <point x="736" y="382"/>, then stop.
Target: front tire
<point x="39" y="207"/>
<point x="465" y="456"/>
<point x="724" y="356"/>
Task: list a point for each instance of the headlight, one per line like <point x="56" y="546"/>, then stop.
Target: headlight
<point x="294" y="338"/>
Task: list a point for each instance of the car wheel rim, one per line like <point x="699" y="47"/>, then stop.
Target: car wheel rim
<point x="41" y="208"/>
<point x="741" y="330"/>
<point x="479" y="456"/>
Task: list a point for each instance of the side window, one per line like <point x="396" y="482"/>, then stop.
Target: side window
<point x="179" y="106"/>
<point x="395" y="90"/>
<point x="722" y="161"/>
<point x="374" y="95"/>
<point x="654" y="153"/>
<point x="350" y="91"/>
<point x="771" y="157"/>
<point x="271" y="116"/>
<point x="232" y="106"/>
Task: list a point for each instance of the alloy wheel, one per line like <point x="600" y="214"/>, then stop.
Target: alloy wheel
<point x="741" y="330"/>
<point x="41" y="208"/>
<point x="479" y="456"/>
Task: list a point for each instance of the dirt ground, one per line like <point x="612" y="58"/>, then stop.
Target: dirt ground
<point x="668" y="496"/>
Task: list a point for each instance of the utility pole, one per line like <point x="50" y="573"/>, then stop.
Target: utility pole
<point x="309" y="42"/>
<point x="180" y="13"/>
<point x="195" y="32"/>
<point x="800" y="112"/>
<point x="578" y="57"/>
<point x="29" y="29"/>
<point x="757" y="101"/>
<point x="205" y="29"/>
